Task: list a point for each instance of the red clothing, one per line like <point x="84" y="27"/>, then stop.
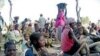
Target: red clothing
<point x="66" y="42"/>
<point x="60" y="19"/>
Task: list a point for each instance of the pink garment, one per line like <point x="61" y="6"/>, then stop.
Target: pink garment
<point x="66" y="42"/>
<point x="60" y="19"/>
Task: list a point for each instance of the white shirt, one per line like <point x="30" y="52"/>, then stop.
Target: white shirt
<point x="41" y="22"/>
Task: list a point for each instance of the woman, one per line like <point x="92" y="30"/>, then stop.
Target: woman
<point x="70" y="45"/>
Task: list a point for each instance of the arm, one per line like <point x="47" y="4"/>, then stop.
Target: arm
<point x="72" y="35"/>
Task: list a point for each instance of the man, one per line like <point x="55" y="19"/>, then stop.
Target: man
<point x="10" y="49"/>
<point x="42" y="21"/>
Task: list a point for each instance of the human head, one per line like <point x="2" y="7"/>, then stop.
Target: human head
<point x="16" y="26"/>
<point x="16" y="18"/>
<point x="41" y="15"/>
<point x="93" y="25"/>
<point x="37" y="40"/>
<point x="26" y="36"/>
<point x="25" y="19"/>
<point x="10" y="48"/>
<point x="72" y="22"/>
<point x="79" y="24"/>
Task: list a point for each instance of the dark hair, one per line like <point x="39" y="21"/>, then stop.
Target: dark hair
<point x="79" y="23"/>
<point x="7" y="44"/>
<point x="93" y="25"/>
<point x="34" y="37"/>
<point x="41" y="14"/>
<point x="16" y="27"/>
<point x="29" y="24"/>
<point x="99" y="30"/>
<point x="85" y="32"/>
<point x="25" y="19"/>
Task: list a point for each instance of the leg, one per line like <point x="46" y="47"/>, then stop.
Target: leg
<point x="94" y="44"/>
<point x="84" y="45"/>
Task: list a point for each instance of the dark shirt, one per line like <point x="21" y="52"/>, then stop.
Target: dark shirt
<point x="29" y="52"/>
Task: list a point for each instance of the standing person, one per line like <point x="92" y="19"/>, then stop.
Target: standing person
<point x="61" y="18"/>
<point x="42" y="21"/>
<point x="60" y="22"/>
<point x="10" y="49"/>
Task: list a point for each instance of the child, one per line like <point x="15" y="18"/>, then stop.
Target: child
<point x="37" y="42"/>
<point x="25" y="44"/>
<point x="10" y="49"/>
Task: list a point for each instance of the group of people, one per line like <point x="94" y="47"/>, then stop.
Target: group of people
<point x="29" y="39"/>
<point x="76" y="40"/>
<point x="34" y="39"/>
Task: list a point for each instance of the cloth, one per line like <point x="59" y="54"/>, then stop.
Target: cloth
<point x="60" y="19"/>
<point x="59" y="31"/>
<point x="41" y="22"/>
<point x="66" y="42"/>
<point x="29" y="52"/>
<point x="43" y="52"/>
<point x="16" y="32"/>
<point x="48" y="21"/>
<point x="70" y="20"/>
<point x="24" y="47"/>
<point x="10" y="36"/>
<point x="15" y="36"/>
<point x="28" y="30"/>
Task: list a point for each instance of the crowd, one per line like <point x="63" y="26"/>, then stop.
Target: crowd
<point x="28" y="38"/>
<point x="34" y="39"/>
